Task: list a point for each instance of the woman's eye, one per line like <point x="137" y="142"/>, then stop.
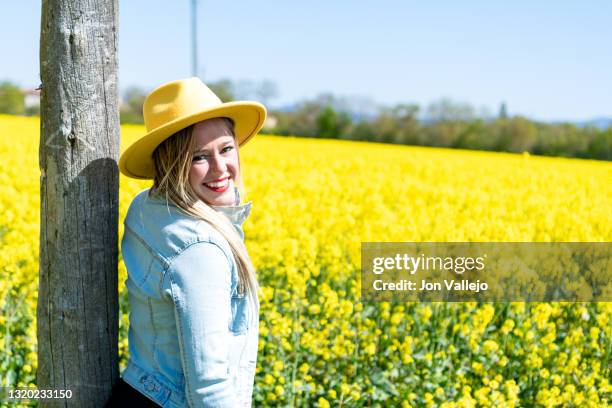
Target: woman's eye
<point x="200" y="157"/>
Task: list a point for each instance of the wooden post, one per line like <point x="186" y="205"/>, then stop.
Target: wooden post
<point x="78" y="306"/>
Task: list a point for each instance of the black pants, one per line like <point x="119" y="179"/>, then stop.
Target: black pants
<point x="124" y="395"/>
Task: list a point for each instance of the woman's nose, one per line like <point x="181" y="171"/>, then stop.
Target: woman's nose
<point x="217" y="163"/>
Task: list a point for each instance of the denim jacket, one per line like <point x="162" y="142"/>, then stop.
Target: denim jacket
<point x="193" y="338"/>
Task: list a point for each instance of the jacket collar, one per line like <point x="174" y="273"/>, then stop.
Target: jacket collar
<point x="236" y="213"/>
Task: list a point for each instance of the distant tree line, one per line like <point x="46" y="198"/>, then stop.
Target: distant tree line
<point x="444" y="123"/>
<point x="12" y="101"/>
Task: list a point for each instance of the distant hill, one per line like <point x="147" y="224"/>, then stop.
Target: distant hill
<point x="599" y="122"/>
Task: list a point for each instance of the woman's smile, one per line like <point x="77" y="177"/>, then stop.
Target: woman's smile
<point x="219" y="185"/>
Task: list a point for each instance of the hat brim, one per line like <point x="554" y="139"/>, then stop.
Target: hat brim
<point x="137" y="160"/>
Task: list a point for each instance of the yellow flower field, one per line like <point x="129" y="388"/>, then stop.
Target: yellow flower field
<point x="314" y="202"/>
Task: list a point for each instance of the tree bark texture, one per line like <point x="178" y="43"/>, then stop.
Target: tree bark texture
<point x="78" y="307"/>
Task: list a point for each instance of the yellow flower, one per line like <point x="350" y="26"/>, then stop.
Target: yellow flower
<point x="278" y="365"/>
<point x="424" y="312"/>
<point x="345" y="389"/>
<point x="478" y="367"/>
<point x="314" y="309"/>
<point x="507" y="326"/>
<point x="323" y="403"/>
<point x="490" y="346"/>
<point x="370" y="349"/>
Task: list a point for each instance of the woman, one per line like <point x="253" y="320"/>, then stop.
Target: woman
<point x="192" y="289"/>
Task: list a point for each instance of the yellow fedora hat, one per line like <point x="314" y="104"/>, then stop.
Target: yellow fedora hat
<point x="176" y="105"/>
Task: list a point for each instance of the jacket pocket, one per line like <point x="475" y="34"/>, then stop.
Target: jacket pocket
<point x="239" y="321"/>
<point x="154" y="388"/>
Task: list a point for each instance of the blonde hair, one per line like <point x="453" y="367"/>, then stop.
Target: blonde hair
<point x="172" y="160"/>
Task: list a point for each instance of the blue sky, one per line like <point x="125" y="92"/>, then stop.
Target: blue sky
<point x="548" y="60"/>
